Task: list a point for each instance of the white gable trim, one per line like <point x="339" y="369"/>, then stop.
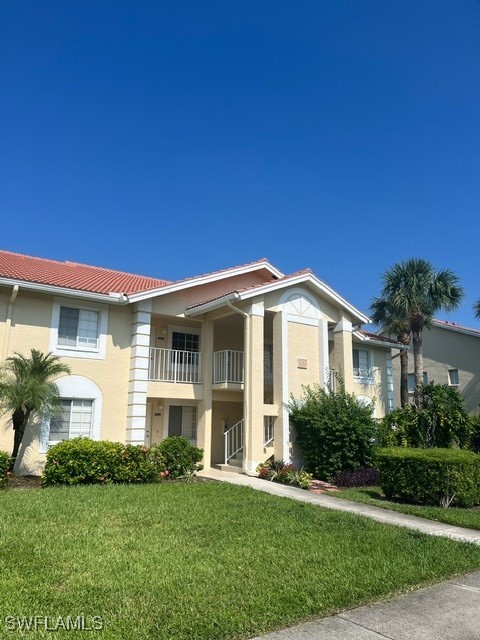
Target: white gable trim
<point x="206" y="279"/>
<point x="309" y="278"/>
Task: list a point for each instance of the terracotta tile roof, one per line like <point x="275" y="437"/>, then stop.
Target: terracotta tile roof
<point x="220" y="271"/>
<point x="376" y="336"/>
<point x="454" y="326"/>
<point x="251" y="287"/>
<point x="72" y="275"/>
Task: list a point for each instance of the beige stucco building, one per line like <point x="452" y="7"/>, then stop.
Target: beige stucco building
<point x="215" y="358"/>
<point x="451" y="355"/>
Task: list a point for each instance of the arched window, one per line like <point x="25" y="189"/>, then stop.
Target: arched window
<point x="78" y="414"/>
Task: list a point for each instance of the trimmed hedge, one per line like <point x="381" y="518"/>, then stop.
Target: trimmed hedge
<point x="5" y="462"/>
<point x="84" y="461"/>
<point x="430" y="476"/>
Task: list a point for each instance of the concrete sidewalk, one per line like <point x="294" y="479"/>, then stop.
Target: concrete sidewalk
<point x="430" y="527"/>
<point x="446" y="611"/>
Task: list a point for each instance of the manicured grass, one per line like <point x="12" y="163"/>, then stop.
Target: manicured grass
<point x="469" y="518"/>
<point x="200" y="561"/>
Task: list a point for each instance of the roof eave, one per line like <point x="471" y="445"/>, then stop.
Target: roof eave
<point x="206" y="279"/>
<point x="111" y="298"/>
<point x="212" y="305"/>
<point x="379" y="343"/>
<point x="465" y="330"/>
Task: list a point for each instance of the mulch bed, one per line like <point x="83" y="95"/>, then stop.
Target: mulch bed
<point x="24" y="482"/>
<point x="319" y="486"/>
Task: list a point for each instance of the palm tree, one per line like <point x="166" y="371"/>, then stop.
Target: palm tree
<point x="476" y="308"/>
<point x="417" y="291"/>
<point x="385" y="316"/>
<point x="27" y="387"/>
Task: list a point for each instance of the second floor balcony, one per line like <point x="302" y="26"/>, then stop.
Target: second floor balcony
<point x="172" y="365"/>
<point x="228" y="367"/>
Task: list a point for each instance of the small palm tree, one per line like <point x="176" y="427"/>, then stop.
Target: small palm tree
<point x="27" y="387"/>
<point x="387" y="318"/>
<point x="417" y="291"/>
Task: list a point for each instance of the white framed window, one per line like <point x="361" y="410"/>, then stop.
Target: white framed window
<point x="72" y="419"/>
<point x="78" y="414"/>
<point x="453" y="379"/>
<point x="411" y="381"/>
<point x="362" y="365"/>
<point x="78" y="329"/>
<point x="182" y="421"/>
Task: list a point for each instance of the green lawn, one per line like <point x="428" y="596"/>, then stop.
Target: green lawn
<point x="469" y="518"/>
<point x="200" y="561"/>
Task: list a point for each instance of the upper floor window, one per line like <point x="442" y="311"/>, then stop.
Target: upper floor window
<point x="453" y="379"/>
<point x="79" y="330"/>
<point x="361" y="363"/>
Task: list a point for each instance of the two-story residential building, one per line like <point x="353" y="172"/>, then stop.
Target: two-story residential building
<point x="451" y="355"/>
<point x="215" y="357"/>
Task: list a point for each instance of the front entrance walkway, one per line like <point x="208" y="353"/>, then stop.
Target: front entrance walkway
<point x="376" y="513"/>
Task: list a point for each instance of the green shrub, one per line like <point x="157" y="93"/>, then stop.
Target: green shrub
<point x="442" y="422"/>
<point x="334" y="431"/>
<point x="179" y="456"/>
<point x="5" y="462"/>
<point x="280" y="471"/>
<point x="475" y="433"/>
<point x="430" y="476"/>
<point x="84" y="461"/>
<point x="443" y="419"/>
<point x="400" y="428"/>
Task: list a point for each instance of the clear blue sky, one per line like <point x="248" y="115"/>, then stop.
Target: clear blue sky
<point x="171" y="138"/>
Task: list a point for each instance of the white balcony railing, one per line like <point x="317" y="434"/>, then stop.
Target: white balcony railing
<point x="227" y="366"/>
<point x="170" y="365"/>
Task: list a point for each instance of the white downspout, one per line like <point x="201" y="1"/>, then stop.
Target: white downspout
<point x="8" y="321"/>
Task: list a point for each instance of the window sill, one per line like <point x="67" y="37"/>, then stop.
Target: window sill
<point x="78" y="352"/>
<point x="360" y="380"/>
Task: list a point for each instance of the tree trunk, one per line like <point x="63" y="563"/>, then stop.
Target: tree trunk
<point x="418" y="367"/>
<point x="19" y="420"/>
<point x="404" y="338"/>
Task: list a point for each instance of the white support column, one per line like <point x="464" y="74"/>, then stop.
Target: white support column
<point x="139" y="363"/>
<point x="342" y="351"/>
<point x="254" y="388"/>
<point x="204" y="431"/>
<point x="281" y="436"/>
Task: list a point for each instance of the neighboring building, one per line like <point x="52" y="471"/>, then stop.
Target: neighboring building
<point x="215" y="357"/>
<point x="451" y="355"/>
